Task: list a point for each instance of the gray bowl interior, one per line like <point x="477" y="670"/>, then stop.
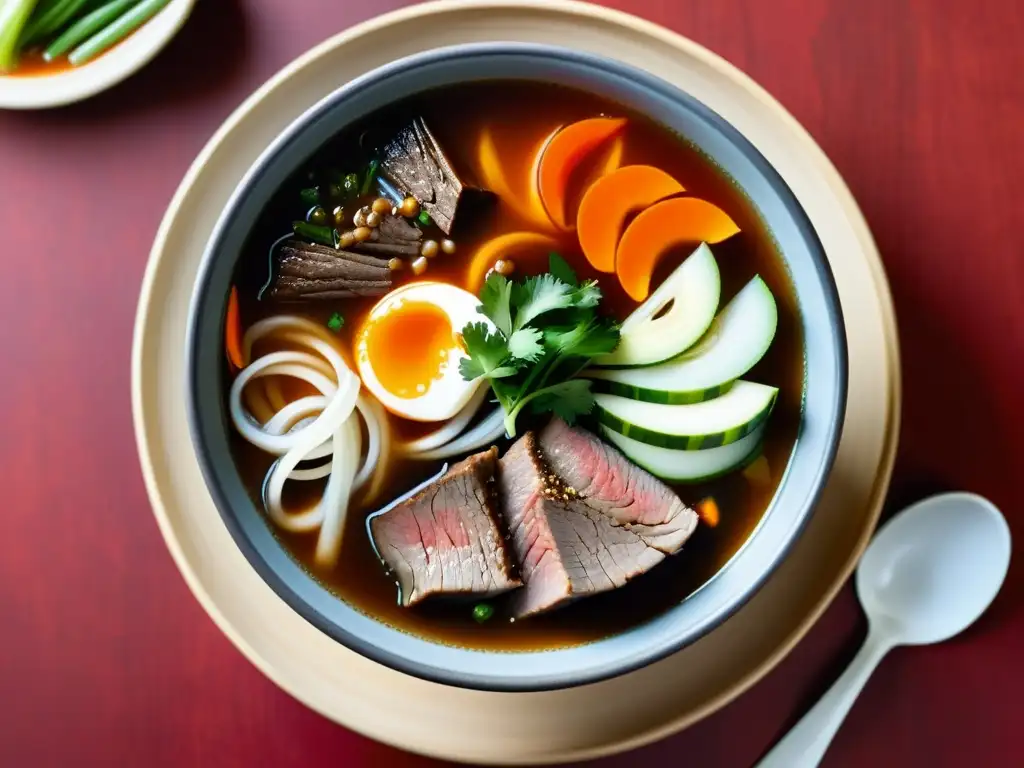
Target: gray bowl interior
<point x="824" y="395"/>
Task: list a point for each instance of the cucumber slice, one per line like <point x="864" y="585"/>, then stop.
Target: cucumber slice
<point x="734" y="343"/>
<point x="694" y="289"/>
<point x="710" y="424"/>
<point x="678" y="466"/>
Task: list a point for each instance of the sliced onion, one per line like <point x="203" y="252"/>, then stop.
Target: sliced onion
<point x="491" y="428"/>
<point x="450" y="430"/>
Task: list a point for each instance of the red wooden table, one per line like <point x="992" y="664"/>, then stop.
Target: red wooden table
<point x="106" y="657"/>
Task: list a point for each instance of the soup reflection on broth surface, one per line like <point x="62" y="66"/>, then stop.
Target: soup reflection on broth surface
<point x="399" y="308"/>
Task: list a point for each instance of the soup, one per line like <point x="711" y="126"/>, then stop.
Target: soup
<point x="651" y="244"/>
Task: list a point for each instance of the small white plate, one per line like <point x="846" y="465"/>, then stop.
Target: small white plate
<point x="71" y="85"/>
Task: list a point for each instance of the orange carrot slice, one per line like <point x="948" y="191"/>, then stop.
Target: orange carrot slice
<point x="526" y="205"/>
<point x="614" y="158"/>
<point x="563" y="153"/>
<point x="610" y="200"/>
<point x="511" y="245"/>
<point x="707" y="511"/>
<point x="233" y="332"/>
<point x="661" y="227"/>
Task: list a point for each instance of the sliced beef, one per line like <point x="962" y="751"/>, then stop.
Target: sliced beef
<point x="395" y="228"/>
<point x="395" y="237"/>
<point x="311" y="271"/>
<point x="447" y="538"/>
<point x="583" y="519"/>
<point x="614" y="486"/>
<point x="414" y="162"/>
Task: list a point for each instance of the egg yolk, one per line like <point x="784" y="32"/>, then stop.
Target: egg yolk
<point x="408" y="347"/>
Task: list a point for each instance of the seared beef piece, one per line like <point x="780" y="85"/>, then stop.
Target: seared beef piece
<point x="415" y="163"/>
<point x="611" y="484"/>
<point x="447" y="539"/>
<point x="395" y="237"/>
<point x="583" y="519"/>
<point x="311" y="271"/>
<point x="394" y="228"/>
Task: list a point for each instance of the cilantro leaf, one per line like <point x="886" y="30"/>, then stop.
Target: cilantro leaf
<point x="587" y="296"/>
<point x="525" y="344"/>
<point x="506" y="390"/>
<point x="567" y="400"/>
<point x="496" y="302"/>
<point x="486" y="350"/>
<point x="336" y="322"/>
<point x="545" y="330"/>
<point x="589" y="338"/>
<point x="560" y="268"/>
<point x="538" y="295"/>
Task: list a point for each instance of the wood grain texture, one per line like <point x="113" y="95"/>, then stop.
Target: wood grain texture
<point x="108" y="660"/>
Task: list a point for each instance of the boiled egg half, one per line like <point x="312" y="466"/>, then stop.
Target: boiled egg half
<point x="408" y="350"/>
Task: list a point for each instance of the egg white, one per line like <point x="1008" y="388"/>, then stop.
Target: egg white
<point x="445" y="396"/>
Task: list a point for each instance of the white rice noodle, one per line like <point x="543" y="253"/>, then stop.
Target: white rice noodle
<point x="373" y="434"/>
<point x="376" y="417"/>
<point x="309" y="428"/>
<point x="297" y="364"/>
<point x="255" y="399"/>
<point x="490" y="428"/>
<point x="275" y="397"/>
<point x="450" y="430"/>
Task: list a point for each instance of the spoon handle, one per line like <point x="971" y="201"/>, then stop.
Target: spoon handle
<point x="805" y="745"/>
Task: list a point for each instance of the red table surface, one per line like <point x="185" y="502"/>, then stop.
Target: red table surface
<point x="107" y="659"/>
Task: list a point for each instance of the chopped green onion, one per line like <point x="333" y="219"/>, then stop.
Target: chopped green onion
<point x="424" y="218"/>
<point x="351" y="185"/>
<point x="115" y="32"/>
<point x="336" y="323"/>
<point x="316" y="233"/>
<point x="310" y="196"/>
<point x="482" y="612"/>
<point x="14" y="15"/>
<point x="317" y="215"/>
<point x="49" y="19"/>
<point x="371" y="172"/>
<point x="85" y="27"/>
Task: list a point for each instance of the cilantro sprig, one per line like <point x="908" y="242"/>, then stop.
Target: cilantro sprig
<point x="545" y="331"/>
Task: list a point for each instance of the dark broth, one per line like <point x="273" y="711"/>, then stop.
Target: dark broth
<point x="518" y="114"/>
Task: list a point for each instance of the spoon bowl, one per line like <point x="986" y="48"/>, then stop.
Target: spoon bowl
<point x="933" y="569"/>
<point x="929" y="573"/>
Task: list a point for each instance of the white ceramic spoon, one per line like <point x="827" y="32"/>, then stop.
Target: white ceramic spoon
<point x="929" y="573"/>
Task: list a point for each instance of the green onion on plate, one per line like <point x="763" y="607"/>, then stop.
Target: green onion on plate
<point x="86" y="27"/>
<point x="116" y="31"/>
